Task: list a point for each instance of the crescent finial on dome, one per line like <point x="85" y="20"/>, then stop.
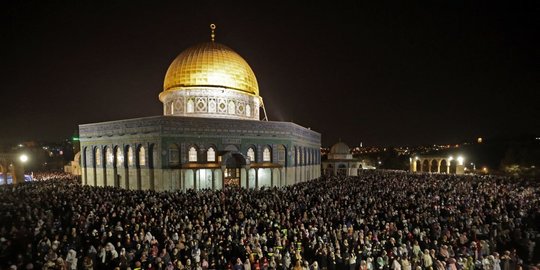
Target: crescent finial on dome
<point x="213" y="28"/>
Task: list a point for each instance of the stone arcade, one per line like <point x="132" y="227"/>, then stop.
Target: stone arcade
<point x="209" y="137"/>
<point x="437" y="164"/>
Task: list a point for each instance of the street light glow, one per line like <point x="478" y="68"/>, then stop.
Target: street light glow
<point x="23" y="158"/>
<point x="460" y="160"/>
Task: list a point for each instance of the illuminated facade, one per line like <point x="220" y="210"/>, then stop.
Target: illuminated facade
<point x="74" y="167"/>
<point x="209" y="137"/>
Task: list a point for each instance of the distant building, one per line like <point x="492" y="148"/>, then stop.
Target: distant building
<point x="341" y="162"/>
<point x="209" y="137"/>
<point x="11" y="169"/>
<point x="437" y="164"/>
<point x="74" y="167"/>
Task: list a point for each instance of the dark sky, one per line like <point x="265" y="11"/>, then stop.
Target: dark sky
<point x="381" y="73"/>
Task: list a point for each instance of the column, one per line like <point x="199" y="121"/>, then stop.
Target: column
<point x="283" y="177"/>
<point x="244" y="177"/>
<point x="222" y="177"/>
<point x="439" y="166"/>
<point x="104" y="168"/>
<point x="94" y="168"/>
<point x="256" y="178"/>
<point x="213" y="180"/>
<point x="247" y="177"/>
<point x="126" y="175"/>
<point x="183" y="179"/>
<point x="271" y="177"/>
<point x="83" y="166"/>
<point x="195" y="179"/>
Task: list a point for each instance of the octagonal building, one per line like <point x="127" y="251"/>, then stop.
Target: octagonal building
<point x="210" y="135"/>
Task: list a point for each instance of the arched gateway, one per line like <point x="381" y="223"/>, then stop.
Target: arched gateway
<point x="235" y="166"/>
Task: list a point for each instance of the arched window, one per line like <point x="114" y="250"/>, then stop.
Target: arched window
<point x="211" y="155"/>
<point x="251" y="154"/>
<point x="192" y="154"/>
<point x="232" y="108"/>
<point x="98" y="156"/>
<point x="109" y="155"/>
<point x="142" y="156"/>
<point x="248" y="110"/>
<point x="119" y="156"/>
<point x="267" y="156"/>
<point x="190" y="106"/>
<point x="130" y="156"/>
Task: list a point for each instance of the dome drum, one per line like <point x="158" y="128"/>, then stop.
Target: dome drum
<point x="212" y="102"/>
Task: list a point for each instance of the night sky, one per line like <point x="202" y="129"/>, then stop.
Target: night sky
<point x="381" y="73"/>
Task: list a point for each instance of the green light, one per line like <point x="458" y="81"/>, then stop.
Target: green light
<point x="75" y="138"/>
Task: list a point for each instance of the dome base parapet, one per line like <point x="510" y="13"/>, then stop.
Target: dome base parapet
<point x="211" y="102"/>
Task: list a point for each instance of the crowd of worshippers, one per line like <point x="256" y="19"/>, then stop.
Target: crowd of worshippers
<point x="51" y="175"/>
<point x="377" y="220"/>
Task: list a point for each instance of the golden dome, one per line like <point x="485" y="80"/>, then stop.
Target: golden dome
<point x="211" y="64"/>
